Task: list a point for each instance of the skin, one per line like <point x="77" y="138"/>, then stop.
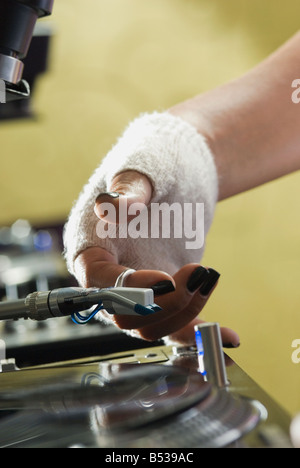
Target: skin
<point x="251" y="123"/>
<point x="252" y="127"/>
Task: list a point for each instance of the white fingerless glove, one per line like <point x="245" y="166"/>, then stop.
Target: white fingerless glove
<point x="179" y="163"/>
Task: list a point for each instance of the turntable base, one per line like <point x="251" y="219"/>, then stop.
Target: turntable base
<point x="146" y="398"/>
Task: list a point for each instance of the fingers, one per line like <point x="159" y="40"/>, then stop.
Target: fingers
<point x="182" y="319"/>
<point x="127" y="189"/>
<point x="95" y="267"/>
<point x="183" y="298"/>
<point x="178" y="307"/>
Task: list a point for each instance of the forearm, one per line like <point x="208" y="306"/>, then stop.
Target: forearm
<point x="251" y="123"/>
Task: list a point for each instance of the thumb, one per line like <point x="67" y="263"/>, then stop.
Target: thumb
<point x="127" y="188"/>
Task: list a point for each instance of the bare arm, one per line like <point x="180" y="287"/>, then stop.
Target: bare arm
<point x="251" y="123"/>
<point x="252" y="127"/>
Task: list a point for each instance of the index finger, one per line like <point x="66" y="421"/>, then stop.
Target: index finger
<point x="96" y="267"/>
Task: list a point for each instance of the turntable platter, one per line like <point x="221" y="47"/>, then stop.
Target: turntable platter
<point x="122" y="405"/>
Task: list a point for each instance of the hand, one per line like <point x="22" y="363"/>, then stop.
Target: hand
<point x="189" y="288"/>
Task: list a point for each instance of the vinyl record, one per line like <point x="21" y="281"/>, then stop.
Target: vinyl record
<point x="119" y="405"/>
<point x="54" y="406"/>
<point x="143" y="394"/>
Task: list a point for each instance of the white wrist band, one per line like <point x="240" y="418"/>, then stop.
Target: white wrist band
<point x="178" y="162"/>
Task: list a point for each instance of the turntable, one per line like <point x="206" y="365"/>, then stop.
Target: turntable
<point x="159" y="397"/>
<point x="146" y="398"/>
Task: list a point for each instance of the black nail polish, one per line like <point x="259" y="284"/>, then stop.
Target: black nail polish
<point x="108" y="194"/>
<point x="196" y="278"/>
<point x="210" y="281"/>
<point x="230" y="345"/>
<point x="163" y="287"/>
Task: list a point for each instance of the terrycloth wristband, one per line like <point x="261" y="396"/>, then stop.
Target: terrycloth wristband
<point x="180" y="165"/>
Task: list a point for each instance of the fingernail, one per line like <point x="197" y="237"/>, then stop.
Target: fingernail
<point x="209" y="282"/>
<point x="108" y="194"/>
<point x="231" y="345"/>
<point x="196" y="278"/>
<point x="163" y="287"/>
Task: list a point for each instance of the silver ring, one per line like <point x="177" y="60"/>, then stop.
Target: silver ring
<point x="120" y="280"/>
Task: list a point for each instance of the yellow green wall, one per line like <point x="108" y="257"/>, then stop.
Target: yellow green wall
<point x="111" y="60"/>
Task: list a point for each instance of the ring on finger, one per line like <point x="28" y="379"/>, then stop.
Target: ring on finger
<point x="121" y="278"/>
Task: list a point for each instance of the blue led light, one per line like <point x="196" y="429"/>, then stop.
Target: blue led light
<point x="200" y="350"/>
<point x="199" y="343"/>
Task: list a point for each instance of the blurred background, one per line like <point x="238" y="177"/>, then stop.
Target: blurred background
<point x="108" y="61"/>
